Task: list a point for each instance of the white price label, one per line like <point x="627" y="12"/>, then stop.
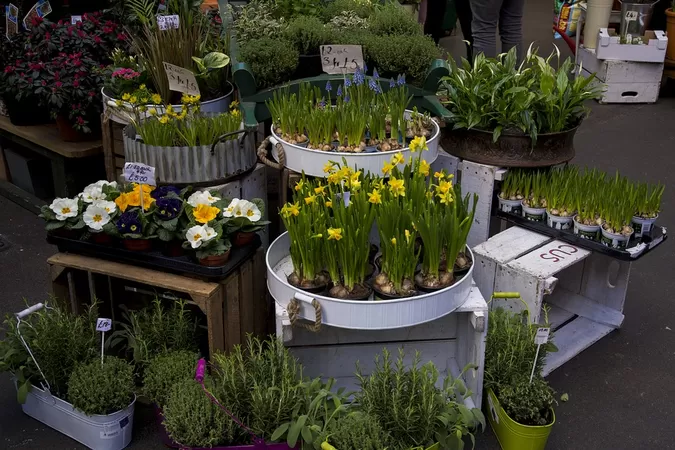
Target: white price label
<point x="336" y="59"/>
<point x="181" y="80"/>
<point x="167" y="22"/>
<point x="139" y="173"/>
<point x="631" y="16"/>
<point x="103" y="324"/>
<point x="542" y="335"/>
<point x="75" y="19"/>
<point x="493" y="410"/>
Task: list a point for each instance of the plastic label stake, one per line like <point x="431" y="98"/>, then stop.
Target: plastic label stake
<point x="540" y="338"/>
<point x="103" y="325"/>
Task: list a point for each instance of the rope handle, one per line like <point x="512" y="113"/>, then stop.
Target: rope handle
<point x="263" y="154"/>
<point x="293" y="310"/>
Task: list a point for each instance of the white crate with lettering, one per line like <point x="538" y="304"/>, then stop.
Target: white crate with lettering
<point x="584" y="291"/>
<point x="451" y="343"/>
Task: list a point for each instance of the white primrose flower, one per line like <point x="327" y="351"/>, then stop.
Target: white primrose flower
<point x="101" y="183"/>
<point x="241" y="208"/>
<point x="92" y="193"/>
<point x="199" y="234"/>
<point x="110" y="207"/>
<point x="95" y="217"/>
<point x="64" y="208"/>
<point x="252" y="212"/>
<point x="202" y="197"/>
<point x="229" y="211"/>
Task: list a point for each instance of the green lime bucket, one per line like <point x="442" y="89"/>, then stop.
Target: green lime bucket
<point x="512" y="435"/>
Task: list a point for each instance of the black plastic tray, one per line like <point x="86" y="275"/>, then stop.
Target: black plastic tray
<point x="651" y="241"/>
<point x="154" y="259"/>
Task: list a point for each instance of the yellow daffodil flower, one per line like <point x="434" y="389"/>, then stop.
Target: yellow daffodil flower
<point x="375" y="197"/>
<point x="397" y="159"/>
<point x="328" y="167"/>
<point x="299" y="186"/>
<point x="333" y="178"/>
<point x="418" y="143"/>
<point x="156" y="99"/>
<point x="424" y="168"/>
<point x="407" y="236"/>
<point x="164" y="119"/>
<point x="444" y="186"/>
<point x="152" y="112"/>
<point x="126" y="96"/>
<point x="446" y="198"/>
<point x="354" y="182"/>
<point x="234" y="105"/>
<point x="393" y="241"/>
<point x="133" y="99"/>
<point x="397" y="187"/>
<point x="387" y="168"/>
<point x="205" y="213"/>
<point x="329" y="204"/>
<point x="309" y="200"/>
<point x="439" y="175"/>
<point x="319" y="190"/>
<point x="334" y="234"/>
<point x="142" y="87"/>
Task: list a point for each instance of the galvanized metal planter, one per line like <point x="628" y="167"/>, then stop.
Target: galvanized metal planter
<point x="194" y="165"/>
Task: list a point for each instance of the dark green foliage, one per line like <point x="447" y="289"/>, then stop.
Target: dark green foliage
<point x="192" y="420"/>
<point x="357" y="431"/>
<point x="306" y="33"/>
<point x="96" y="388"/>
<point x="272" y="61"/>
<point x="166" y="370"/>
<point x="394" y="55"/>
<point x="392" y="20"/>
<point x="528" y="403"/>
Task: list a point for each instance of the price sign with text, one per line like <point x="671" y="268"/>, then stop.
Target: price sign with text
<point x="542" y="335"/>
<point x="11" y="20"/>
<point x="103" y="324"/>
<point x="75" y="19"/>
<point x="336" y="59"/>
<point x="139" y="173"/>
<point x="631" y="16"/>
<point x="167" y="22"/>
<point x="181" y="80"/>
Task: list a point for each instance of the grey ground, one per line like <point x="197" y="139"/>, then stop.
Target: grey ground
<point x="621" y="390"/>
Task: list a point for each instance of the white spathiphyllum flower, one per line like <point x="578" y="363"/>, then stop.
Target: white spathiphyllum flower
<point x="64" y="208"/>
<point x="95" y="217"/>
<point x="92" y="193"/>
<point x="195" y="235"/>
<point x="202" y="197"/>
<point x="252" y="213"/>
<point x="110" y="207"/>
<point x="229" y="211"/>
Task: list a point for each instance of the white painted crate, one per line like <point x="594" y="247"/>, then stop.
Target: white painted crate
<point x="584" y="290"/>
<point x="610" y="47"/>
<point x="450" y="342"/>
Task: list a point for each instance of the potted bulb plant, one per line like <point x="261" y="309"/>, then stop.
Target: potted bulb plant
<point x="510" y="195"/>
<point x="457" y="225"/>
<point x="561" y="192"/>
<point x="648" y="205"/>
<point x="534" y="201"/>
<point x="619" y="200"/>
<point x="587" y="221"/>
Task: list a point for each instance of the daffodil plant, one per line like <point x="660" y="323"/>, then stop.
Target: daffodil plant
<point x="457" y="224"/>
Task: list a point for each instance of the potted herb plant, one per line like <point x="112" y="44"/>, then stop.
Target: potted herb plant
<point x="102" y="388"/>
<point x="519" y="406"/>
<point x="244" y="220"/>
<point x="516" y="115"/>
<point x="561" y="193"/>
<point x="648" y="205"/>
<point x="534" y="196"/>
<point x="307" y="34"/>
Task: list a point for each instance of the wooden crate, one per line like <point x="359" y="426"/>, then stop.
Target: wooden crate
<point x="583" y="291"/>
<point x="450" y="343"/>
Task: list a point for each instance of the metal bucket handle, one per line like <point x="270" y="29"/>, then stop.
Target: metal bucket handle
<point x="20" y="315"/>
<point x="226" y="135"/>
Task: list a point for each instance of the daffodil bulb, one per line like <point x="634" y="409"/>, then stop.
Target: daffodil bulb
<point x="199" y="234"/>
<point x="229" y="211"/>
<point x="95" y="217"/>
<point x="110" y="207"/>
<point x="203" y="198"/>
<point x="64" y="208"/>
<point x="92" y="193"/>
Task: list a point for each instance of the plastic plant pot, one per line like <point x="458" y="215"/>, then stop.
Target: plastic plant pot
<point x="590" y="232"/>
<point x="512" y="435"/>
<point x="643" y="226"/>
<point x="510" y="206"/>
<point x="559" y="222"/>
<point x="614" y="240"/>
<point x="534" y="214"/>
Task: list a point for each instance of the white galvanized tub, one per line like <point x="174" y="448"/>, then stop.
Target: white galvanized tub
<point x="361" y="314"/>
<point x="312" y="162"/>
<point x="194" y="165"/>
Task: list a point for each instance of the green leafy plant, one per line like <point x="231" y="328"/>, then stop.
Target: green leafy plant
<point x="408" y="405"/>
<point x="255" y="20"/>
<point x="357" y="431"/>
<point x="359" y="8"/>
<point x="306" y="33"/>
<point x="193" y="420"/>
<point x="293" y="8"/>
<point x="271" y="60"/>
<point x="561" y="191"/>
<point x="99" y="388"/>
<point x="166" y="370"/>
<point x="392" y="20"/>
<point x="528" y="403"/>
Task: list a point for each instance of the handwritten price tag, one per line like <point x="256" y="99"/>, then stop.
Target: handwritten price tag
<point x="542" y="335"/>
<point x="139" y="173"/>
<point x="75" y="19"/>
<point x="103" y="324"/>
<point x="167" y="22"/>
<point x="631" y="16"/>
<point x="336" y="59"/>
<point x="181" y="80"/>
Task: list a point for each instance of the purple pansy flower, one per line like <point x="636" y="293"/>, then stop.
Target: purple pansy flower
<point x="168" y="208"/>
<point x="128" y="223"/>
<point x="163" y="191"/>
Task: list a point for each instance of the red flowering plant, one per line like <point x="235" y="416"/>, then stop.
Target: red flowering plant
<point x="124" y="75"/>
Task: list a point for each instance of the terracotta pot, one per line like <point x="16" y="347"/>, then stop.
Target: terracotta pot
<point x="243" y="238"/>
<point x="670" y="29"/>
<point x="173" y="249"/>
<point x="69" y="134"/>
<point x="137" y="245"/>
<point x="215" y="261"/>
<point x="101" y="238"/>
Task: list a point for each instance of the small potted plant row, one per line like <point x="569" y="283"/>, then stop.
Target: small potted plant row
<point x="420" y="217"/>
<point x="138" y="217"/>
<point x="63" y="380"/>
<point x="611" y="210"/>
<point x="261" y="386"/>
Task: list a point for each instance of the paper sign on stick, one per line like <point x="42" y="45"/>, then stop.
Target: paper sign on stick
<point x="542" y="335"/>
<point x="337" y="59"/>
<point x="139" y="173"/>
<point x="181" y="80"/>
<point x="167" y="22"/>
<point x="103" y="324"/>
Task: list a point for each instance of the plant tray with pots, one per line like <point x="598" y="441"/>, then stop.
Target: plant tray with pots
<point x="511" y="149"/>
<point x="636" y="248"/>
<point x="367" y="314"/>
<point x="205" y="164"/>
<point x="109" y="432"/>
<point x="312" y="162"/>
<point x="155" y="259"/>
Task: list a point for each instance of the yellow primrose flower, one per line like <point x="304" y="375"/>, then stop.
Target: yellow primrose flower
<point x="419" y="143"/>
<point x="328" y="167"/>
<point x="407" y="236"/>
<point x="309" y="200"/>
<point x="329" y="204"/>
<point x="319" y="190"/>
<point x="397" y="159"/>
<point x="444" y="186"/>
<point x="205" y="213"/>
<point x="146" y="188"/>
<point x="424" y="168"/>
<point x="387" y="168"/>
<point x="122" y="202"/>
<point x="156" y="99"/>
<point x="133" y="100"/>
<point x="299" y="186"/>
<point x="152" y="112"/>
<point x="397" y="187"/>
<point x="164" y="119"/>
<point x="393" y="241"/>
<point x="439" y="175"/>
<point x="375" y="197"/>
<point x="126" y="96"/>
<point x="334" y="234"/>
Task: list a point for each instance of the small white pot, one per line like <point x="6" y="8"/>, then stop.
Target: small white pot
<point x="510" y="206"/>
<point x="619" y="241"/>
<point x="643" y="226"/>
<point x="559" y="222"/>
<point x="533" y="214"/>
<point x="589" y="232"/>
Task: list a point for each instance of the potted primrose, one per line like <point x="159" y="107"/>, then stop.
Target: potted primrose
<point x="534" y="200"/>
<point x="204" y="232"/>
<point x="244" y="220"/>
<point x="169" y="218"/>
<point x="648" y="205"/>
<point x="134" y="223"/>
<point x="560" y="197"/>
